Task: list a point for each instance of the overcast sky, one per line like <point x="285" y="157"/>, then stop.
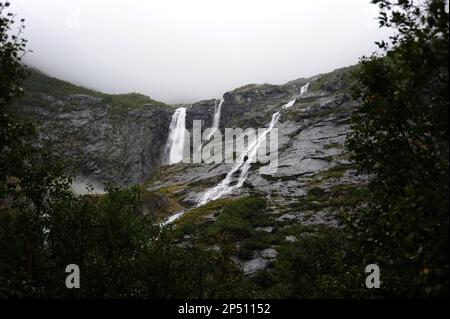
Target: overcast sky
<point x="183" y="51"/>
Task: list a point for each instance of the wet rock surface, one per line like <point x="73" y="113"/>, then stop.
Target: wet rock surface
<point x="311" y="137"/>
<point x="108" y="143"/>
<point x="126" y="145"/>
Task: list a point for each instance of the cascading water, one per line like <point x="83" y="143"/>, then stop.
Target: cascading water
<point x="216" y="119"/>
<point x="304" y="89"/>
<point x="243" y="165"/>
<point x="244" y="161"/>
<point x="172" y="218"/>
<point x="288" y="105"/>
<point x="175" y="142"/>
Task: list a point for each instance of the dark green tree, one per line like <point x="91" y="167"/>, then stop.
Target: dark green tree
<point x="401" y="138"/>
<point x="121" y="251"/>
<point x="12" y="48"/>
<point x="29" y="178"/>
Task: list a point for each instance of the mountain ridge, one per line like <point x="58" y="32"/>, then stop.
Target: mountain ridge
<point x="38" y="81"/>
<point x="313" y="186"/>
<point x="109" y="138"/>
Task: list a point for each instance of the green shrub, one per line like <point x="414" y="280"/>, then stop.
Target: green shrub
<point x="237" y="218"/>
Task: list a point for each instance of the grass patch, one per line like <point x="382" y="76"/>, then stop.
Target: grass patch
<point x="334" y="172"/>
<point x="171" y="189"/>
<point x="340" y="196"/>
<point x="251" y="87"/>
<point x="38" y="82"/>
<point x="328" y="81"/>
<point x="197" y="215"/>
<point x="332" y="145"/>
<point x="238" y="218"/>
<point x="235" y="222"/>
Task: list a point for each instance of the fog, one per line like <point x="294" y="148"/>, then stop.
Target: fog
<point x="182" y="51"/>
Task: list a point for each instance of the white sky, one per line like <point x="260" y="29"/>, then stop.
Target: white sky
<point x="188" y="50"/>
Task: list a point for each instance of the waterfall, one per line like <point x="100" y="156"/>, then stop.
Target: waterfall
<point x="242" y="164"/>
<point x="304" y="89"/>
<point x="288" y="105"/>
<point x="216" y="119"/>
<point x="172" y="218"/>
<point x="175" y="142"/>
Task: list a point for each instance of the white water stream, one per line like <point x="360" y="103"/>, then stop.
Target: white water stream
<point x="175" y="142"/>
<point x="216" y="119"/>
<point x="243" y="163"/>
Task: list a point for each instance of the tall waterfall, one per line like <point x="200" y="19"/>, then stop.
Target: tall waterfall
<point x="216" y="119"/>
<point x="175" y="142"/>
<point x="245" y="159"/>
<point x="242" y="164"/>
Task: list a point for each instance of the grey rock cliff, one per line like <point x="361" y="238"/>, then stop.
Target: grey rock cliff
<point x="313" y="182"/>
<point x="108" y="143"/>
<point x="311" y="138"/>
<point x="126" y="145"/>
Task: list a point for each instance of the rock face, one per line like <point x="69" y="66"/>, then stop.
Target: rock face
<point x="312" y="184"/>
<point x="311" y="136"/>
<point x="109" y="143"/>
<point x="125" y="145"/>
<point x="202" y="111"/>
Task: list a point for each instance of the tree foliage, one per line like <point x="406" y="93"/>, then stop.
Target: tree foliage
<point x="44" y="227"/>
<point x="401" y="138"/>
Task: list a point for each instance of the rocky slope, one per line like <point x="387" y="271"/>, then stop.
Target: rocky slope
<point x="315" y="183"/>
<point x="109" y="143"/>
<point x="311" y="135"/>
<point x="122" y="139"/>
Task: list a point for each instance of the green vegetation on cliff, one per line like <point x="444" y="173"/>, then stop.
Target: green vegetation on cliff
<point x="38" y="83"/>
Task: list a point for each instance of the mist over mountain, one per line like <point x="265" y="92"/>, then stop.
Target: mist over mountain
<point x="184" y="51"/>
